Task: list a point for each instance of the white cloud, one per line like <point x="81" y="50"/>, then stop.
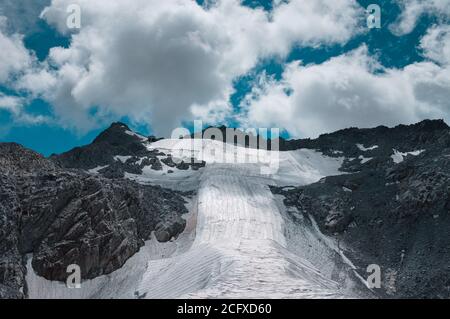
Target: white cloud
<point x="436" y="44"/>
<point x="349" y="90"/>
<point x="14" y="105"/>
<point x="412" y="10"/>
<point x="38" y="80"/>
<point x="10" y="103"/>
<point x="314" y="23"/>
<point x="14" y="57"/>
<point x="161" y="62"/>
<point x="15" y="61"/>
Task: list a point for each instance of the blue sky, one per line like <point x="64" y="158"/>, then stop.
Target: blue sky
<point x="252" y="88"/>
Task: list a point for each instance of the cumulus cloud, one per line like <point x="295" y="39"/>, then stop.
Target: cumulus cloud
<point x="349" y="90"/>
<point x="14" y="57"/>
<point x="14" y="105"/>
<point x="436" y="44"/>
<point x="15" y="61"/>
<point x="412" y="10"/>
<point x="316" y="23"/>
<point x="10" y="103"/>
<point x="160" y="62"/>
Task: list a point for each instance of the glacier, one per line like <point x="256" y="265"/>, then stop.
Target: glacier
<point x="238" y="242"/>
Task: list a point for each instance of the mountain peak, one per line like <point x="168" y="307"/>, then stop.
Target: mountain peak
<point x="117" y="134"/>
<point x="118" y="139"/>
<point x="119" y="125"/>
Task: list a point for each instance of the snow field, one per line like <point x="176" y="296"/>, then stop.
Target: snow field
<point x="238" y="243"/>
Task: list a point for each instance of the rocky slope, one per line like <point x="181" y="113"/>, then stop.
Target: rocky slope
<point x="391" y="209"/>
<point x="67" y="216"/>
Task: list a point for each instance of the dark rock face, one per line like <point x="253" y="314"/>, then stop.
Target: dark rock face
<point x="117" y="151"/>
<point x="407" y="136"/>
<point x="395" y="215"/>
<point x="11" y="262"/>
<point x="403" y="138"/>
<point x="117" y="140"/>
<point x="69" y="217"/>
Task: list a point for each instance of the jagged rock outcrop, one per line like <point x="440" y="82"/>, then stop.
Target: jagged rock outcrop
<point x="391" y="210"/>
<point x="65" y="217"/>
<point x="117" y="151"/>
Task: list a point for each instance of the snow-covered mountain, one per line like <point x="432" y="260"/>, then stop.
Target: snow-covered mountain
<point x="304" y="222"/>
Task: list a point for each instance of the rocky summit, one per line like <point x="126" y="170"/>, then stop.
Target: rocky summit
<point x="117" y="151"/>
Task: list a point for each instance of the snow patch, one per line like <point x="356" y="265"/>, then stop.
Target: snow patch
<point x="97" y="169"/>
<point x="365" y="149"/>
<point x="121" y="158"/>
<point x="364" y="159"/>
<point x="398" y="157"/>
<point x="143" y="138"/>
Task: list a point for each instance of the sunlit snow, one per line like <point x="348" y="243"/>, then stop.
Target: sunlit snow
<point x="398" y="157"/>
